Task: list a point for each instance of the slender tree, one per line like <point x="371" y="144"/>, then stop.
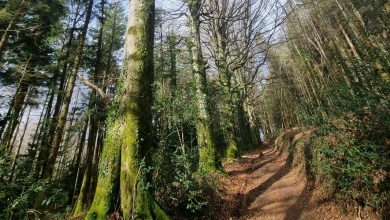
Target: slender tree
<point x="48" y="170"/>
<point x="86" y="191"/>
<point x="205" y="135"/>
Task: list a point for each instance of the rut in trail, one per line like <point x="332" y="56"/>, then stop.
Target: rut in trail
<point x="266" y="186"/>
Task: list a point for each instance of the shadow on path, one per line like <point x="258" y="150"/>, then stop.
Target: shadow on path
<point x="295" y="211"/>
<point x="250" y="169"/>
<point x="247" y="199"/>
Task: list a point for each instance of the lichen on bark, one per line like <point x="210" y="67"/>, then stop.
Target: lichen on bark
<point x="131" y="133"/>
<point x="205" y="136"/>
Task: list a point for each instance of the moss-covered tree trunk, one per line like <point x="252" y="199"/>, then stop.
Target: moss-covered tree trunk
<point x="128" y="142"/>
<point x="220" y="30"/>
<point x="230" y="106"/>
<point x="205" y="136"/>
<point x="230" y="92"/>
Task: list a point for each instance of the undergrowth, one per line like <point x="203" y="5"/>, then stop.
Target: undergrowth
<point x="179" y="188"/>
<point x="352" y="170"/>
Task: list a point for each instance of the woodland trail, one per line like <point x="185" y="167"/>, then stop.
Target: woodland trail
<point x="265" y="186"/>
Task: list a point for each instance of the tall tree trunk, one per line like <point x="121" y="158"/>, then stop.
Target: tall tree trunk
<point x="95" y="164"/>
<point x="243" y="122"/>
<point x="94" y="106"/>
<point x="19" y="146"/>
<point x="48" y="130"/>
<point x="77" y="176"/>
<point x="16" y="107"/>
<point x="68" y="136"/>
<point x="16" y="132"/>
<point x="48" y="170"/>
<point x="205" y="136"/>
<point x="128" y="142"/>
<point x="169" y="84"/>
<point x="230" y="106"/>
<point x="254" y="128"/>
<point x="172" y="61"/>
<point x="33" y="146"/>
<point x="82" y="199"/>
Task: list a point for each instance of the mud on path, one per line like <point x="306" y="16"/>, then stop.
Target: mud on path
<point x="263" y="185"/>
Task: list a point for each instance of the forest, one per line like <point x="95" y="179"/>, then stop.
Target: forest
<point x="194" y="109"/>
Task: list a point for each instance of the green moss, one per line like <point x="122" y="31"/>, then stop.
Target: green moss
<point x="132" y="30"/>
<point x="207" y="162"/>
<point x="79" y="203"/>
<point x="82" y="199"/>
<point x="232" y="151"/>
<point x="131" y="137"/>
<point x="205" y="136"/>
<point x="158" y="212"/>
<point x="146" y="207"/>
<point x="105" y="194"/>
<point x="129" y="167"/>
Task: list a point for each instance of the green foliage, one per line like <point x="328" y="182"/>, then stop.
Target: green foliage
<point x="19" y="205"/>
<point x="179" y="109"/>
<point x="185" y="183"/>
<point x="365" y="115"/>
<point x="17" y="196"/>
<point x="232" y="152"/>
<point x="5" y="15"/>
<point x="5" y="165"/>
<point x="177" y="188"/>
<point x="353" y="170"/>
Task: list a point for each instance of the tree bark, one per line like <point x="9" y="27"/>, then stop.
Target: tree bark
<point x="94" y="106"/>
<point x="128" y="142"/>
<point x="205" y="136"/>
<point x="16" y="107"/>
<point x="48" y="172"/>
<point x="48" y="130"/>
<point x="172" y="62"/>
<point x="77" y="176"/>
<point x="19" y="146"/>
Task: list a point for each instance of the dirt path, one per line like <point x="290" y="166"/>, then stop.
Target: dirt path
<point x="266" y="187"/>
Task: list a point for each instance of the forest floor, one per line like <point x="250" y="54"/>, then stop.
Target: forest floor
<point x="263" y="185"/>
